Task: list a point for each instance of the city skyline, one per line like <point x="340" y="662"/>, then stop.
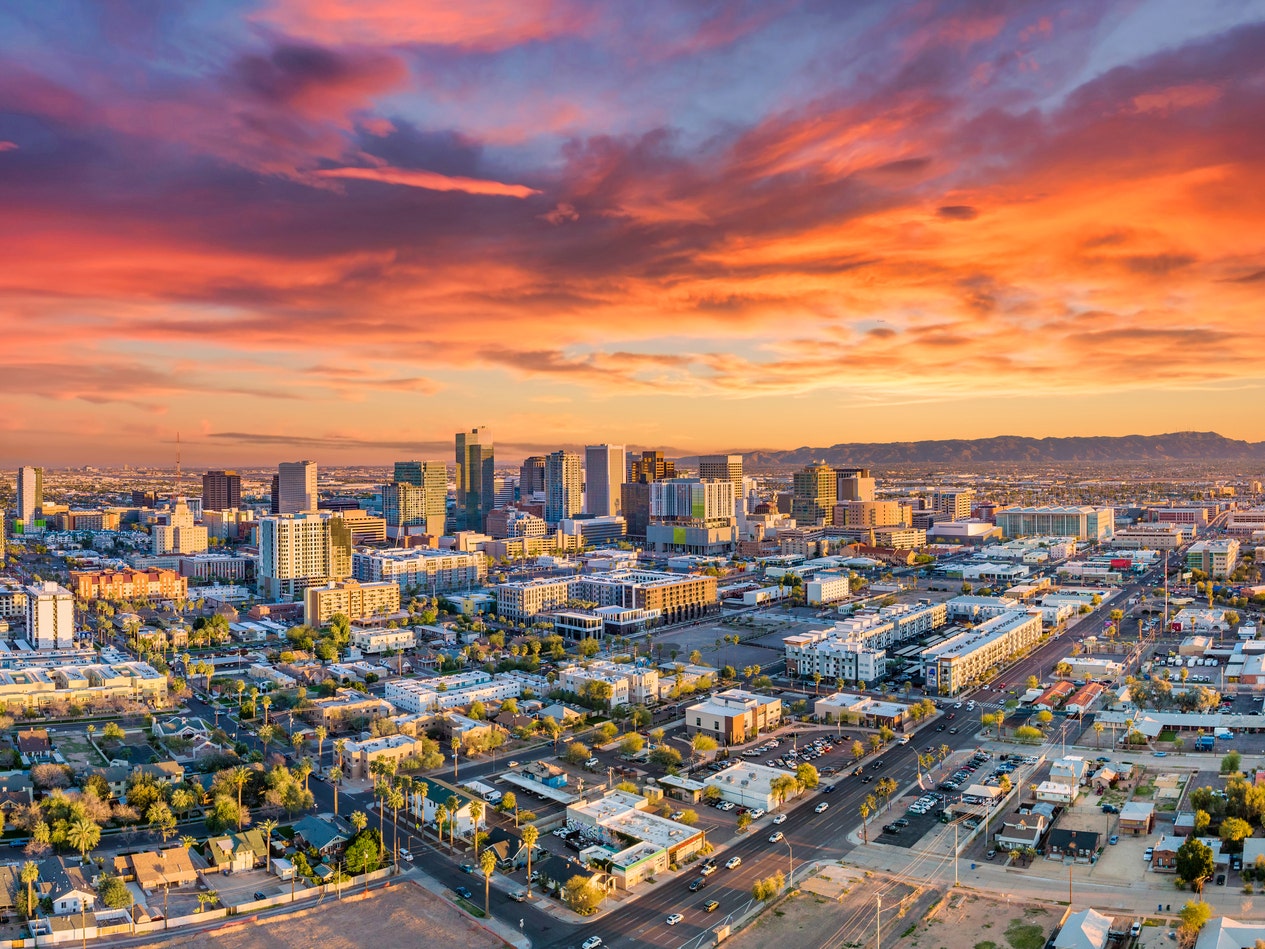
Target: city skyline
<point x="346" y="231"/>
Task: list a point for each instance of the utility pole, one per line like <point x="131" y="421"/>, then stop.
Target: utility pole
<point x="955" y="853"/>
<point x="1069" y="884"/>
<point x="878" y="919"/>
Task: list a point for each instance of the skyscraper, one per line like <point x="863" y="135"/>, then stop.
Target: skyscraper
<point x="604" y="472"/>
<point x="418" y="497"/>
<point x="531" y="477"/>
<point x="296" y="487"/>
<point x="50" y="616"/>
<point x="297" y="551"/>
<point x="221" y="490"/>
<point x="635" y="493"/>
<point x="563" y="486"/>
<point x="725" y="468"/>
<point x="691" y="515"/>
<point x="476" y="470"/>
<point x="30" y="495"/>
<point x="816" y="490"/>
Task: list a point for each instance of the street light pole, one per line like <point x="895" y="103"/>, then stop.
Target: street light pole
<point x="878" y="919"/>
<point x="790" y="859"/>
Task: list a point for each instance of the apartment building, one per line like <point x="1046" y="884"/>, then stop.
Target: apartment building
<point x="692" y="516"/>
<point x="375" y="642"/>
<point x="353" y="599"/>
<point x="872" y="514"/>
<point x="429" y="571"/>
<point x="833" y="659"/>
<point x="50" y="616"/>
<point x="360" y="755"/>
<point x="954" y="664"/>
<point x="522" y="601"/>
<point x="826" y="587"/>
<point x="630" y="685"/>
<point x="442" y="692"/>
<point x="297" y="551"/>
<point x="128" y="584"/>
<point x="673" y="597"/>
<point x="733" y="716"/>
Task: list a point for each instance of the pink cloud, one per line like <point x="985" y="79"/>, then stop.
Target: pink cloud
<point x="6" y="146"/>
<point x="429" y="180"/>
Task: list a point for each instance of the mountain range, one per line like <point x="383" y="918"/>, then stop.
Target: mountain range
<point x="1176" y="446"/>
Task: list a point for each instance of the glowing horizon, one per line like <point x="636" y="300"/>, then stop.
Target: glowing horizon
<point x="337" y="229"/>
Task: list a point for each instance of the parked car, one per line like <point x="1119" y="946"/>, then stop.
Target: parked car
<point x="463" y="892"/>
<point x="1113" y="839"/>
<point x="467" y="868"/>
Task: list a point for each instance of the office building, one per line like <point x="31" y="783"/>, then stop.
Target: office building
<point x="531" y="477"/>
<point x="476" y="472"/>
<point x="863" y="514"/>
<point x="508" y="522"/>
<point x="417" y="500"/>
<point x="563" y="486"/>
<point x="604" y="473"/>
<point x="854" y="484"/>
<point x="733" y="716"/>
<point x="221" y="491"/>
<point x="1217" y="558"/>
<point x="651" y="466"/>
<point x="50" y="616"/>
<point x="353" y="599"/>
<point x="30" y="499"/>
<point x="296" y="487"/>
<point x="955" y="503"/>
<point x="725" y="468"/>
<point x="607" y="529"/>
<point x="815" y="494"/>
<point x="297" y="551"/>
<point x="174" y="531"/>
<point x="1083" y="523"/>
<point x="692" y="516"/>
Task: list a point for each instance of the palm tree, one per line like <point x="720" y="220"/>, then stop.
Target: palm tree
<point x="530" y="836"/>
<point x="335" y="778"/>
<point x="358" y="820"/>
<point x="866" y="810"/>
<point x="304" y="771"/>
<point x="238" y="778"/>
<point x="268" y="826"/>
<point x="267" y="704"/>
<point x="476" y="815"/>
<point x="887" y="787"/>
<point x="1099" y="728"/>
<point x="340" y="744"/>
<point x="395" y="797"/>
<point x="441" y="821"/>
<point x="456" y="746"/>
<point x="321" y="734"/>
<point x="423" y="793"/>
<point x="240" y="688"/>
<point x="208" y="898"/>
<point x="30" y="873"/>
<point x="83" y="835"/>
<point x="487" y="863"/>
<point x="188" y="842"/>
<point x="454" y="805"/>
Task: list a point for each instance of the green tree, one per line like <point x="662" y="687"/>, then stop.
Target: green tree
<point x="701" y="744"/>
<point x="806" y="776"/>
<point x="364" y="851"/>
<point x="1194" y="916"/>
<point x="1232" y="763"/>
<point x="487" y="863"/>
<point x="83" y="835"/>
<point x="580" y="893"/>
<point x="30" y="873"/>
<point x="530" y="836"/>
<point x="577" y="753"/>
<point x="631" y="743"/>
<point x="113" y="892"/>
<point x="1202" y="821"/>
<point x="1194" y="863"/>
<point x="358" y="820"/>
<point x="1233" y="832"/>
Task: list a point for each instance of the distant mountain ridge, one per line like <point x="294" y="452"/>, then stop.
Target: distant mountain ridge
<point x="1176" y="446"/>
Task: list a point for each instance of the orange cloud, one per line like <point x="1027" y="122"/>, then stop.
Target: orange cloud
<point x="416" y="178"/>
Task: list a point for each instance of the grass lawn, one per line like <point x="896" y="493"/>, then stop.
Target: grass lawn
<point x="1023" y="935"/>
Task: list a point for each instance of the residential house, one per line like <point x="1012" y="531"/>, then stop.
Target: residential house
<point x="1026" y="833"/>
<point x="1105" y="779"/>
<point x="564" y="715"/>
<point x="10" y="885"/>
<point x="1087" y="929"/>
<point x="1137" y="818"/>
<point x="1164" y="854"/>
<point x="69" y="888"/>
<point x="325" y="833"/>
<point x="440" y="793"/>
<point x="162" y="869"/>
<point x="1224" y="932"/>
<point x="1054" y="696"/>
<point x="16" y="790"/>
<point x="186" y="727"/>
<point x="1080" y="844"/>
<point x="233" y="853"/>
<point x="1184" y="826"/>
<point x="34" y="746"/>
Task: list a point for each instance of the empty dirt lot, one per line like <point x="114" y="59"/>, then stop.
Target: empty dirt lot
<point x="404" y="915"/>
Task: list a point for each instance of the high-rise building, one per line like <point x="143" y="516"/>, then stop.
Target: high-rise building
<point x="955" y="503"/>
<point x="651" y="466"/>
<point x="815" y="492"/>
<point x="692" y="516"/>
<point x="50" y="616"/>
<point x="418" y="497"/>
<point x="297" y="551"/>
<point x="531" y="477"/>
<point x="221" y="491"/>
<point x="274" y="499"/>
<point x="30" y="495"/>
<point x="476" y="469"/>
<point x="725" y="468"/>
<point x="604" y="471"/>
<point x="563" y="486"/>
<point x="296" y="487"/>
<point x="174" y="532"/>
<point x="854" y="484"/>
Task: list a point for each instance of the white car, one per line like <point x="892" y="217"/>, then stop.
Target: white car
<point x="904" y="740"/>
<point x="592" y="942"/>
<point x="733" y="863"/>
<point x="820" y="808"/>
<point x="406" y="855"/>
<point x="779" y="819"/>
<point x="674" y="919"/>
<point x="776" y="838"/>
<point x="757" y="813"/>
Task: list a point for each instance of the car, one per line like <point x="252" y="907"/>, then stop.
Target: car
<point x="711" y="906"/>
<point x="697" y="884"/>
<point x="1220" y="879"/>
<point x="827" y="789"/>
<point x="1110" y="809"/>
<point x="901" y="822"/>
<point x="518" y="896"/>
<point x="707" y="869"/>
<point x="592" y="942"/>
<point x="776" y="837"/>
<point x="939" y="728"/>
<point x="757" y="813"/>
<point x="958" y="705"/>
<point x="867" y="779"/>
<point x="677" y="815"/>
<point x="780" y="819"/>
<point x="1159" y="754"/>
<point x="1150" y="852"/>
<point x="463" y="892"/>
<point x="725" y="806"/>
<point x="733" y="863"/>
<point x="406" y="855"/>
<point x="1135" y="930"/>
<point x="260" y="895"/>
<point x="820" y="808"/>
<point x="904" y="740"/>
<point x="991" y="853"/>
<point x="953" y="731"/>
<point x="467" y="868"/>
<point x="674" y="919"/>
<point x="1113" y="839"/>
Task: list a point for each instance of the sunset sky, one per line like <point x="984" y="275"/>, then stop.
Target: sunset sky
<point x="345" y="229"/>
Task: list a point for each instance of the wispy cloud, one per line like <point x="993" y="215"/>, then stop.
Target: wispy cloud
<point x="429" y="180"/>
